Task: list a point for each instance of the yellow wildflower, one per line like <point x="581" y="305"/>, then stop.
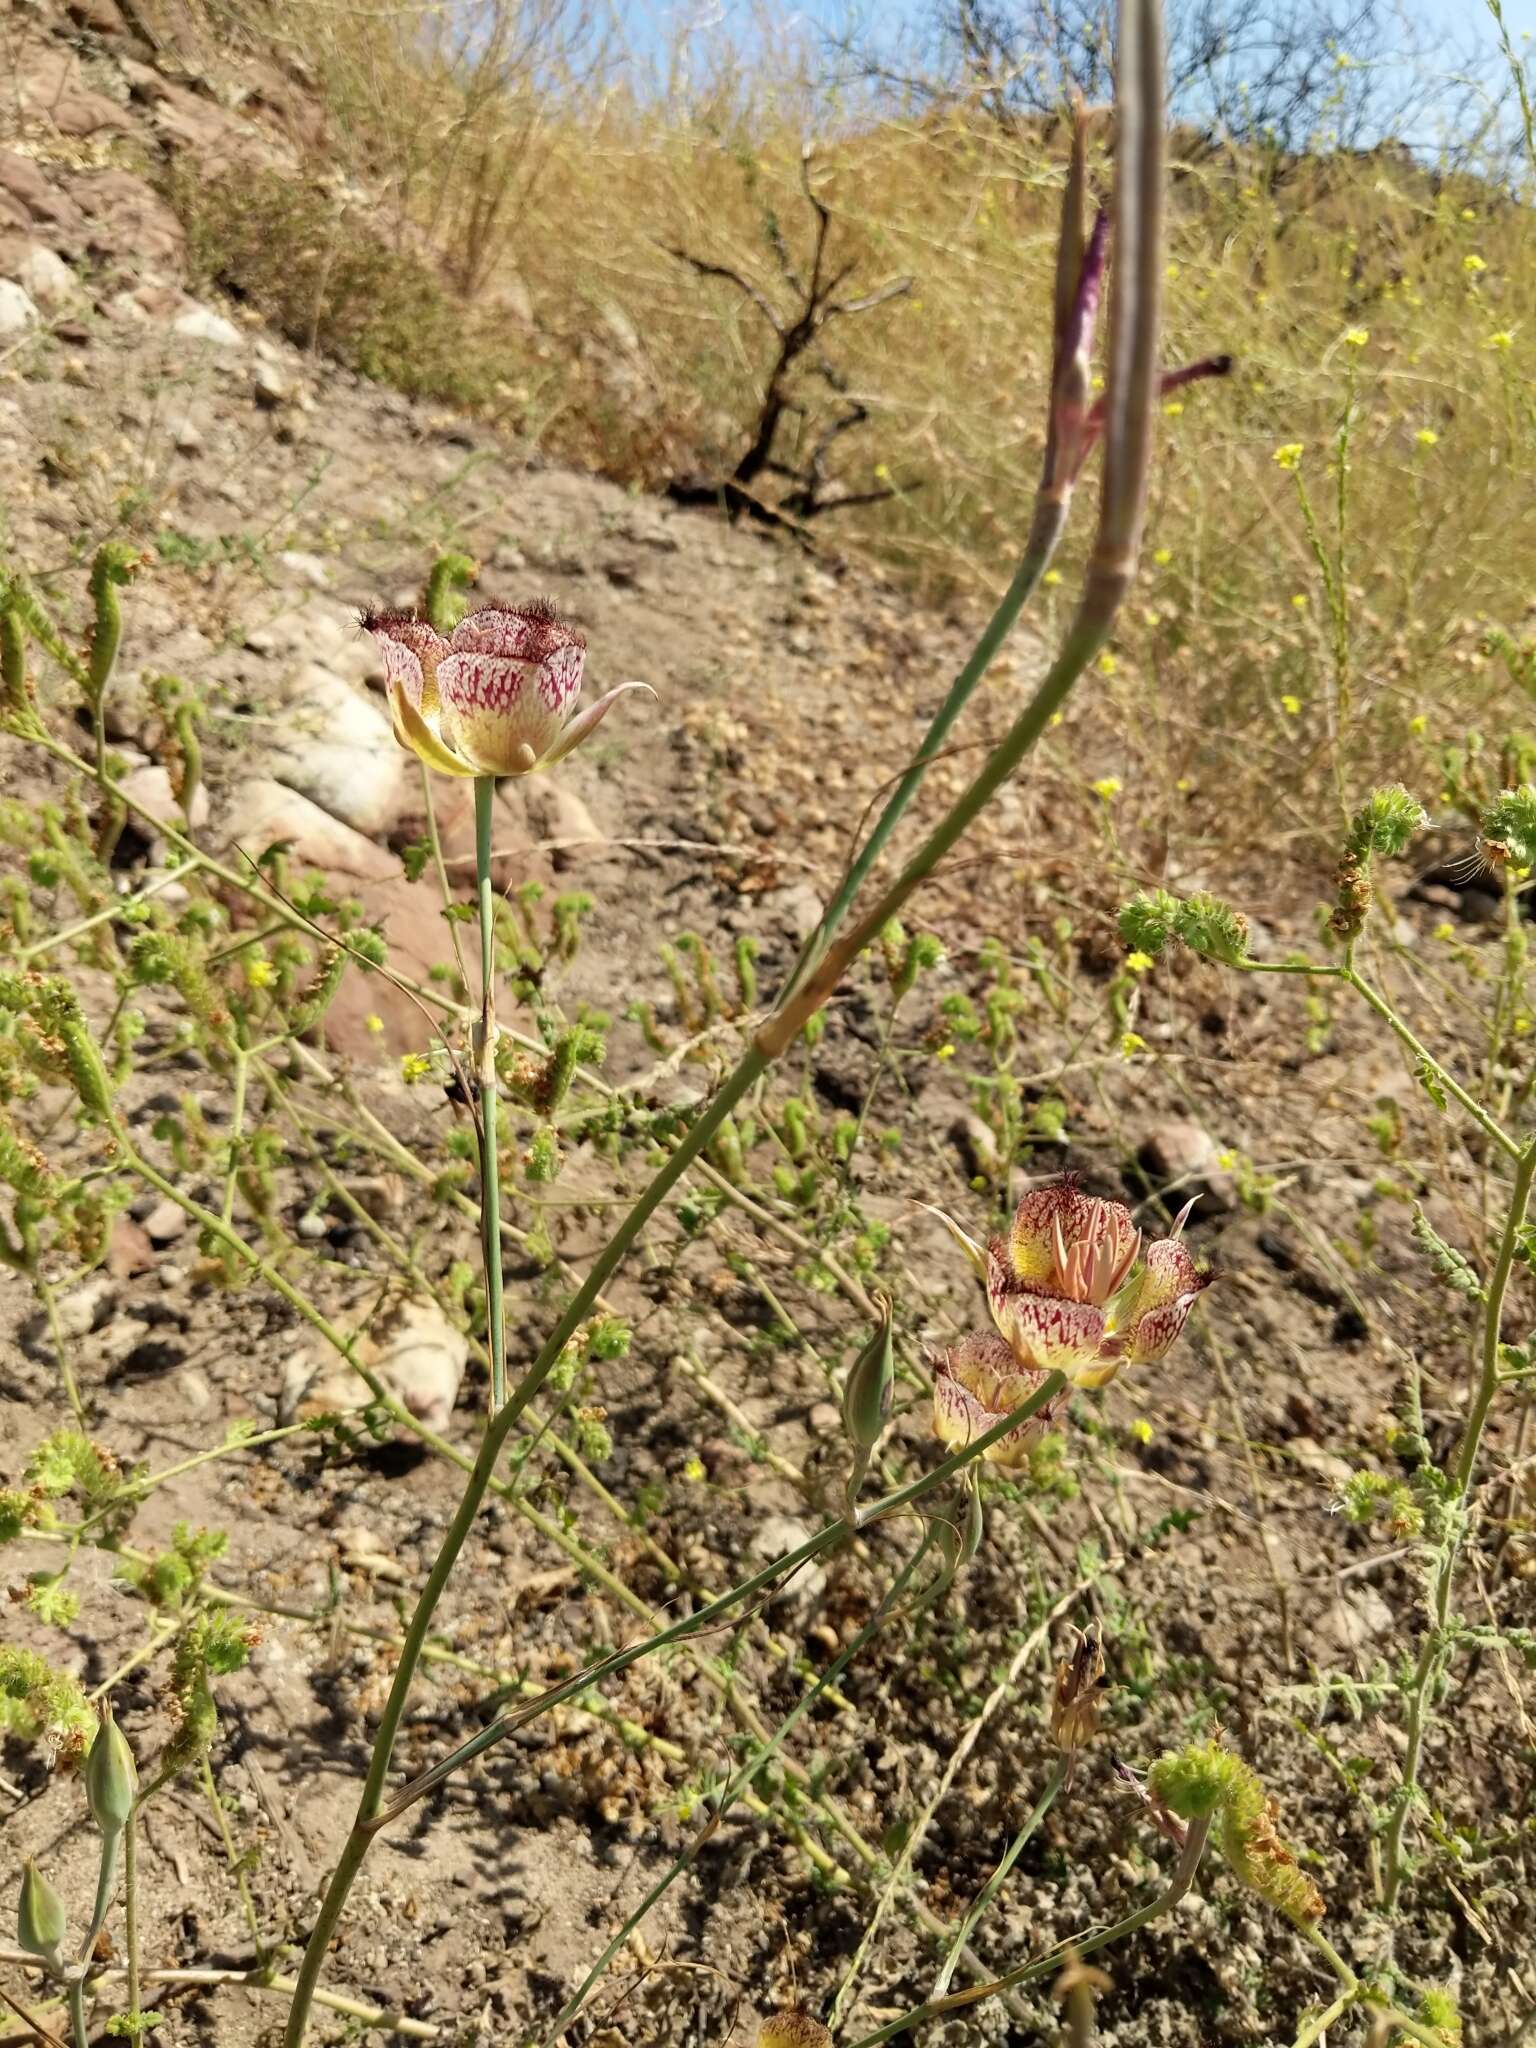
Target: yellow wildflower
<point x="260" y="974"/>
<point x="1289" y="454"/>
<point x="1356" y="337"/>
<point x="1290" y="705"/>
<point x="1426" y="437"/>
<point x="1107" y="787"/>
<point x="1473" y="264"/>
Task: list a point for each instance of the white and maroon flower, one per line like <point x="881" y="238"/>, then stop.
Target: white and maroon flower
<point x="975" y="1385"/>
<point x="497" y="697"/>
<point x="1066" y="1293"/>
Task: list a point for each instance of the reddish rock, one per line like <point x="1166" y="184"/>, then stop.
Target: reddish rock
<point x="129" y="1250"/>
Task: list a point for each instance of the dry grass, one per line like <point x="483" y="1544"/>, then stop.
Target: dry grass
<point x="596" y="345"/>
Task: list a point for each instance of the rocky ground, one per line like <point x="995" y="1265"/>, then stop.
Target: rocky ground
<point x="280" y="495"/>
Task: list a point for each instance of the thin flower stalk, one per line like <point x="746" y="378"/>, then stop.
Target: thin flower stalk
<point x="762" y="1752"/>
<point x="1434" y="1650"/>
<point x="1128" y="436"/>
<point x="994" y="1884"/>
<point x="487" y="1094"/>
<point x="1176" y="1891"/>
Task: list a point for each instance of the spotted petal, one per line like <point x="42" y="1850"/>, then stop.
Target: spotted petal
<point x="1066" y="1242"/>
<point x="504" y="715"/>
<point x="974" y="1386"/>
<point x="1169" y="1285"/>
<point x="421" y="736"/>
<point x="1047" y="1333"/>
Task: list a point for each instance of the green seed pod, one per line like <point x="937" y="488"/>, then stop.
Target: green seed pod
<point x="115" y="564"/>
<point x="19" y="697"/>
<point x="40" y="1917"/>
<point x="111" y="1780"/>
<point x="448" y="574"/>
<point x="870" y="1386"/>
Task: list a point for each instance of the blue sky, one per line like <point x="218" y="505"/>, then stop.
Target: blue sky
<point x="1447" y="28"/>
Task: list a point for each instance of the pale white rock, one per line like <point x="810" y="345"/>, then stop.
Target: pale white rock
<point x="193" y="1387"/>
<point x="775" y="1536"/>
<point x="269" y="387"/>
<point x="1182" y="1156"/>
<point x="306" y="568"/>
<point x="165" y="1222"/>
<point x="336" y="747"/>
<point x="17" y="312"/>
<point x="151" y="787"/>
<point x="85" y="1306"/>
<point x="201" y="323"/>
<point x="420" y="1358"/>
<point x="266" y="813"/>
<point x="422" y="1363"/>
<point x="44" y="276"/>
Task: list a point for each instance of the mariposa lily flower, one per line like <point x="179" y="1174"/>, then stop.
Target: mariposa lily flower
<point x="496" y="697"/>
<point x="1067" y="1295"/>
<point x="977" y="1383"/>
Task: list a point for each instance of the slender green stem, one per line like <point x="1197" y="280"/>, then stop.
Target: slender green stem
<point x="131" y="1912"/>
<point x="236" y="1132"/>
<point x="761" y="1754"/>
<point x="1349" y="974"/>
<point x="1049" y="519"/>
<point x="1432" y="1650"/>
<point x="826" y="1538"/>
<point x="490" y="1155"/>
<point x="1319" y="1941"/>
<point x="106" y="1885"/>
<point x="1088" y="634"/>
<point x="74" y="1992"/>
<point x="119" y="907"/>
<point x="1315" y="2028"/>
<point x="60" y="1346"/>
<point x="994" y="1883"/>
<point x="1448" y="1082"/>
<point x="1079" y="1945"/>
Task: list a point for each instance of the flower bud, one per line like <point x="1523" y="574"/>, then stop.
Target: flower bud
<point x="1080" y="1686"/>
<point x="111" y="1781"/>
<point x="795" y="2029"/>
<point x="870" y="1386"/>
<point x="39" y="1916"/>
